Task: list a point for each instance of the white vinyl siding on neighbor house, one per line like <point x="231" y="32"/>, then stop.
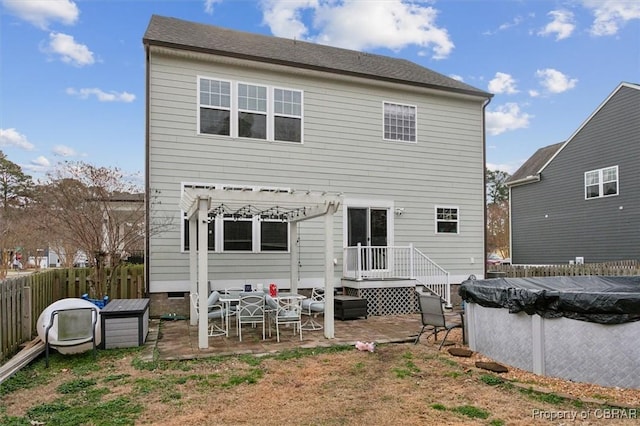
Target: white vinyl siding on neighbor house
<point x="399" y="122"/>
<point x="601" y="182"/>
<point x="248" y="110"/>
<point x="343" y="152"/>
<point x="447" y="220"/>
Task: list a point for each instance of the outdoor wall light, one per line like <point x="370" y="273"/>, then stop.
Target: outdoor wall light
<point x="399" y="211"/>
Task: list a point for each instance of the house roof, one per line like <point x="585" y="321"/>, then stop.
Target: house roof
<point x="185" y="35"/>
<point x="532" y="168"/>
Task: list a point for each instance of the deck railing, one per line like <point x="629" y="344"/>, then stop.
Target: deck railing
<point x="396" y="262"/>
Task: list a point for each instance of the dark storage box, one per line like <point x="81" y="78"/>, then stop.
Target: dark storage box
<point x="349" y="307"/>
<point x="124" y="323"/>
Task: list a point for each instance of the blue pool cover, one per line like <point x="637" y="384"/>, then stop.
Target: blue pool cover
<point x="604" y="300"/>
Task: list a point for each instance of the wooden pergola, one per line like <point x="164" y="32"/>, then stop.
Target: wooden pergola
<point x="294" y="207"/>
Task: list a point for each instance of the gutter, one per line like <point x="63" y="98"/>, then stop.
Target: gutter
<point x="147" y="191"/>
<point x="525" y="180"/>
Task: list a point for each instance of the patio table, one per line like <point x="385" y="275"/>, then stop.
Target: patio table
<point x="231" y="296"/>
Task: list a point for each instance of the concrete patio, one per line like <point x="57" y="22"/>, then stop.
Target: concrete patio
<point x="178" y="340"/>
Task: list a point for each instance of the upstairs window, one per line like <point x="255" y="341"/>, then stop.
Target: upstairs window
<point x="215" y="107"/>
<point x="399" y="122"/>
<point x="601" y="182"/>
<point x="252" y="111"/>
<point x="447" y="220"/>
<point x="287" y="115"/>
<point x="244" y="110"/>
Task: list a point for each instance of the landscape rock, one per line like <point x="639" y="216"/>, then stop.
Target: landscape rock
<point x="492" y="366"/>
<point x="462" y="352"/>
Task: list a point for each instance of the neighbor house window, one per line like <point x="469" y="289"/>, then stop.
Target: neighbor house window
<point x="252" y="111"/>
<point x="447" y="220"/>
<point x="399" y="122"/>
<point x="211" y="234"/>
<point x="287" y="115"/>
<point x="215" y="107"/>
<point x="601" y="182"/>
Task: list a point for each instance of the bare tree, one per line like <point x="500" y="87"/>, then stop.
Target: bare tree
<point x="497" y="212"/>
<point x="95" y="210"/>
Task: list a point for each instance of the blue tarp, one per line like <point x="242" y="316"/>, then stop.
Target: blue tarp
<point x="604" y="300"/>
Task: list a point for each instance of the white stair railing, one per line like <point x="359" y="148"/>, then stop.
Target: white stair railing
<point x="402" y="262"/>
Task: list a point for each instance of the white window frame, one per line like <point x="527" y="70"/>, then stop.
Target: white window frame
<point x="456" y="221"/>
<point x="219" y="221"/>
<point x="415" y="122"/>
<point x="234" y="110"/>
<point x="601" y="182"/>
<point x="230" y="108"/>
<point x="238" y="110"/>
<point x="272" y="120"/>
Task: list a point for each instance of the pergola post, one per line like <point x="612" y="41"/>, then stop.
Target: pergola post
<point x="328" y="273"/>
<point x="203" y="269"/>
<point x="193" y="266"/>
<point x="293" y="250"/>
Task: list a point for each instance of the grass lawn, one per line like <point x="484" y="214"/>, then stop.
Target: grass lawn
<point x="398" y="384"/>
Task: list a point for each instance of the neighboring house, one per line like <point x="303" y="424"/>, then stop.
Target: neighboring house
<point x="579" y="201"/>
<point x="398" y="149"/>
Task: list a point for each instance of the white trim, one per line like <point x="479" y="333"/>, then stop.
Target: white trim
<point x="415" y="108"/>
<point x="234" y="111"/>
<point x="435" y="217"/>
<point x="199" y="105"/>
<point x="369" y="204"/>
<point x="601" y="182"/>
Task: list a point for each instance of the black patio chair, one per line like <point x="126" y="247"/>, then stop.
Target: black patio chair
<point x="434" y="318"/>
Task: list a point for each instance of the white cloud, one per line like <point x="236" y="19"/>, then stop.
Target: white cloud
<point x="42" y="12"/>
<point x="503" y="83"/>
<point x="503" y="27"/>
<point x="562" y="24"/>
<point x="70" y="52"/>
<point x="611" y="15"/>
<point x="208" y="5"/>
<point x="348" y="24"/>
<point x="11" y="137"/>
<point x="101" y="95"/>
<point x="41" y="161"/>
<point x="554" y="81"/>
<point x="506" y="117"/>
<point x="534" y="93"/>
<point x="64" y="151"/>
<point x="456" y="77"/>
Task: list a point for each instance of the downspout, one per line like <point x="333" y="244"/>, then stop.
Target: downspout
<point x="484" y="184"/>
<point x="147" y="191"/>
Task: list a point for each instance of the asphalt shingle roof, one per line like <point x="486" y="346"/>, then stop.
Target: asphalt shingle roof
<point x="180" y="34"/>
<point x="532" y="166"/>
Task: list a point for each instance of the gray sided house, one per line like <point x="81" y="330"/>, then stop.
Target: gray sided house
<point x="399" y="146"/>
<point x="579" y="201"/>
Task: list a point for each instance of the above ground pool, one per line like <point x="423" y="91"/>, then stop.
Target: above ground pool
<point x="583" y="329"/>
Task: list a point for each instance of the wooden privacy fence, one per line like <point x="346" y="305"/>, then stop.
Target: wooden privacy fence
<point x="620" y="268"/>
<point x="23" y="298"/>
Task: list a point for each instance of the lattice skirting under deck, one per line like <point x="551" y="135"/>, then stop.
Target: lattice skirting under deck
<point x="387" y="301"/>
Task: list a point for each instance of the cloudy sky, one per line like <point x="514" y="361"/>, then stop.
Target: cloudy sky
<point x="72" y="72"/>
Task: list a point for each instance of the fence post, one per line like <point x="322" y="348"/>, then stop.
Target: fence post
<point x="26" y="313"/>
